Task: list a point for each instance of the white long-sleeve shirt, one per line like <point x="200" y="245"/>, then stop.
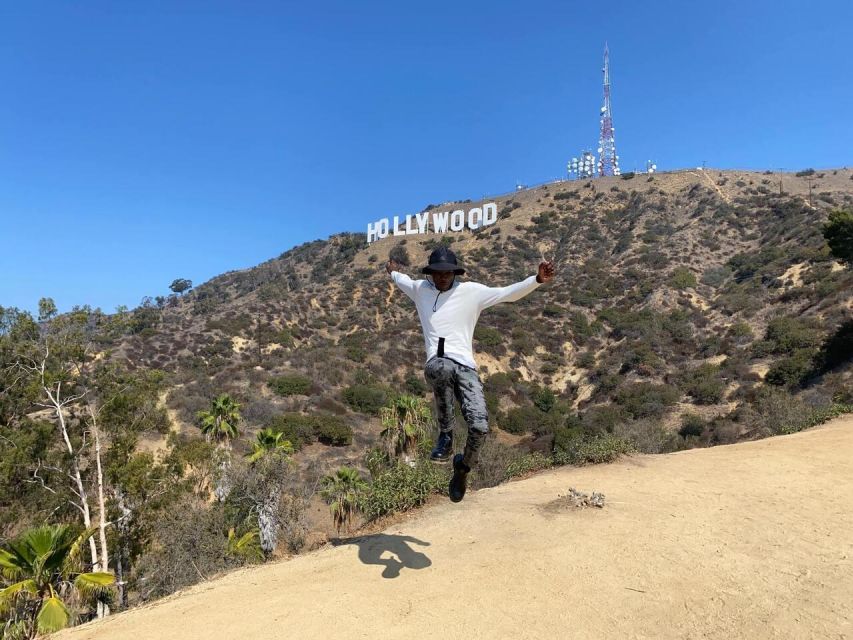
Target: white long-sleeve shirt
<point x="453" y="314"/>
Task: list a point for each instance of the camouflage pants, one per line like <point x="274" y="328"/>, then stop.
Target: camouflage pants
<point x="450" y="380"/>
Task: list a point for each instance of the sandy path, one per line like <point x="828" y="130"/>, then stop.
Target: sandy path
<point x="753" y="540"/>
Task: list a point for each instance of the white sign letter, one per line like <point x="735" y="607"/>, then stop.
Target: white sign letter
<point x="457" y="220"/>
<point x="409" y="228"/>
<point x="490" y="214"/>
<point x="397" y="224"/>
<point x="372" y="232"/>
<point x="474" y="216"/>
<point x="422" y="221"/>
<point x="382" y="227"/>
<point x="439" y="222"/>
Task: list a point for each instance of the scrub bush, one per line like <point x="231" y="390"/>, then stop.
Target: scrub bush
<point x="290" y="385"/>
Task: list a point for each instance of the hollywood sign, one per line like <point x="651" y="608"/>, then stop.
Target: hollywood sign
<point x="442" y="221"/>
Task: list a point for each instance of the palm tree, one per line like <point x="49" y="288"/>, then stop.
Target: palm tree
<point x="220" y="424"/>
<point x="344" y="492"/>
<point x="268" y="441"/>
<point x="43" y="568"/>
<point x="405" y="420"/>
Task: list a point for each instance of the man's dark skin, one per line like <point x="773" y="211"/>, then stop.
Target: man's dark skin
<point x="443" y="280"/>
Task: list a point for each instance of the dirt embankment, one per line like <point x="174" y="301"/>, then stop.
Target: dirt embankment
<point x="753" y="540"/>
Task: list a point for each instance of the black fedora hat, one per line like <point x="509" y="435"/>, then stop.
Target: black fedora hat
<point x="443" y="259"/>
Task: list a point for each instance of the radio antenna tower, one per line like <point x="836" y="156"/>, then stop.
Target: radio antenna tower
<point x="608" y="161"/>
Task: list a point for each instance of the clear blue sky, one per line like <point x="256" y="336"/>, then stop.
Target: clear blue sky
<point x="140" y="142"/>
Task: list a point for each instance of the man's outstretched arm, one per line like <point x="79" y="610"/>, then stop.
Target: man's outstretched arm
<point x="404" y="282"/>
<point x="494" y="295"/>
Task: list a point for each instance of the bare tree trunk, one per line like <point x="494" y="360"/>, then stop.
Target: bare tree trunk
<point x="123" y="555"/>
<point x="102" y="515"/>
<point x="75" y="468"/>
<point x="104" y="565"/>
<point x="223" y="480"/>
<point x="268" y="520"/>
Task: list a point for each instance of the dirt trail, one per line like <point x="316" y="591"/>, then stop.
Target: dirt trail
<point x="753" y="540"/>
<point x="704" y="175"/>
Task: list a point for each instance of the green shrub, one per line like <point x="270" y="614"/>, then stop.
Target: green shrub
<point x="791" y="370"/>
<point x="786" y="336"/>
<point x="645" y="400"/>
<point x="356" y="353"/>
<point x="526" y="463"/>
<point x="401" y="487"/>
<point x="691" y="425"/>
<point x="415" y="385"/>
<point x="365" y="398"/>
<point x="839" y="235"/>
<point x="521" y="419"/>
<point x="285" y="337"/>
<point x="775" y="411"/>
<point x="400" y="255"/>
<point x="682" y="278"/>
<point x="302" y="429"/>
<point x="819" y="416"/>
<point x="837" y="348"/>
<point x="716" y="276"/>
<point x="602" y="418"/>
<point x="566" y="195"/>
<point x="647" y="436"/>
<point x="488" y="337"/>
<point x="704" y="384"/>
<point x="332" y="430"/>
<point x="295" y="427"/>
<point x="290" y="385"/>
<point x="544" y="399"/>
<point x="740" y="330"/>
<point x="500" y="383"/>
<point x="572" y="446"/>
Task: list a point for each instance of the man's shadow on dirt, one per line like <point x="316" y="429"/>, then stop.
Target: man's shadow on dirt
<point x="372" y="548"/>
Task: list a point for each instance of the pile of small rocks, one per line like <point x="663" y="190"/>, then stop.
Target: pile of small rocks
<point x="581" y="500"/>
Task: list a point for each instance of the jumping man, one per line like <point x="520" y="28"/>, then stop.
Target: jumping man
<point x="448" y="311"/>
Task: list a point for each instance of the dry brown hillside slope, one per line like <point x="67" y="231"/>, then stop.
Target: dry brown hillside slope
<point x="670" y="280"/>
<point x="753" y="540"/>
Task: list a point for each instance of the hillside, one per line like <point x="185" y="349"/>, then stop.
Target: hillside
<point x="657" y="277"/>
<point x="749" y="541"/>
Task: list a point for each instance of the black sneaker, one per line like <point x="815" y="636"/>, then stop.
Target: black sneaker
<point x="443" y="447"/>
<point x="459" y="481"/>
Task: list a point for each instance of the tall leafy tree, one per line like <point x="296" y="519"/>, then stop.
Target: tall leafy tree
<point x="344" y="492"/>
<point x="136" y="486"/>
<point x="56" y="363"/>
<point x="42" y="571"/>
<point x="838" y="232"/>
<point x="47" y="309"/>
<point x="179" y="285"/>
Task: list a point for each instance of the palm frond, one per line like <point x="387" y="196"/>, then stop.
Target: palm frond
<point x="53" y="615"/>
<point x="246" y="546"/>
<point x="74" y="556"/>
<point x="8" y="595"/>
<point x="12" y="565"/>
<point x="94" y="584"/>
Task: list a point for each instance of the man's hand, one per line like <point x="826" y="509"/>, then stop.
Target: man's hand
<point x="546" y="272"/>
<point x="392" y="266"/>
